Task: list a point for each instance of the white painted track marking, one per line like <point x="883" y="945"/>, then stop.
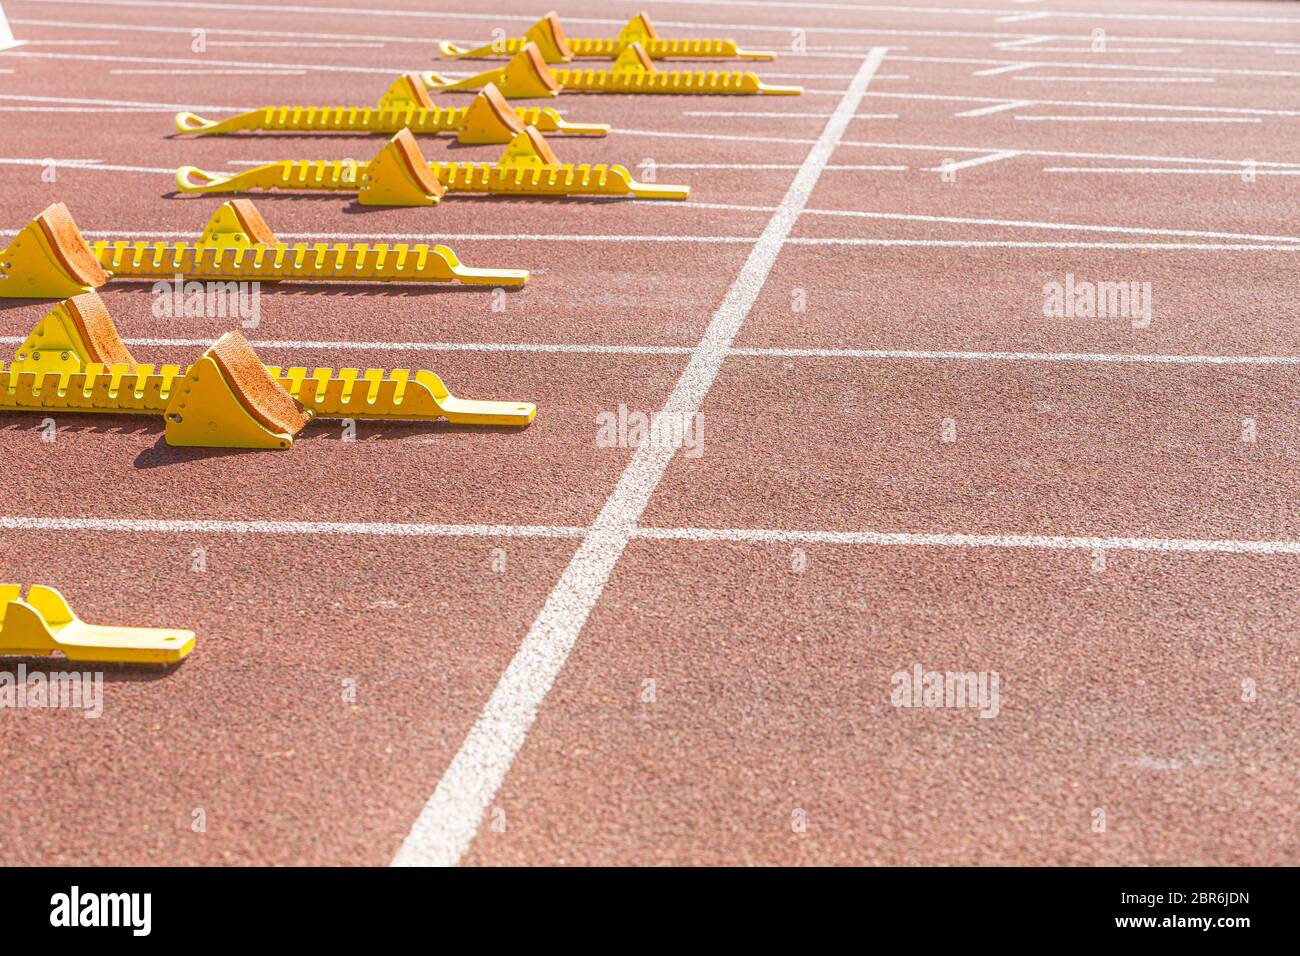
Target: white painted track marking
<point x="936" y="355"/>
<point x="697" y="535"/>
<point x="977" y="161"/>
<point x="449" y="821"/>
<point x="1139" y="119"/>
<point x="997" y="108"/>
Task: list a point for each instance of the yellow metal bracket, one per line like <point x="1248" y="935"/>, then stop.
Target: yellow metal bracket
<point x="555" y="48"/>
<point x="44" y="623"/>
<point x="528" y="167"/>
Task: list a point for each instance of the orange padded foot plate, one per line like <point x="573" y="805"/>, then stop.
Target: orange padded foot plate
<point x="230" y="400"/>
<point x="49" y="259"/>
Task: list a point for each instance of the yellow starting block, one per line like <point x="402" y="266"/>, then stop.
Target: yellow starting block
<point x="75" y="361"/>
<point x="51" y="259"/>
<point x="527" y="76"/>
<point x="555" y="48"/>
<point x="400" y="176"/>
<point x="406" y="105"/>
<point x="44" y="623"/>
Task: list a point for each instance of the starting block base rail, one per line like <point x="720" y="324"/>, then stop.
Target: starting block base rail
<point x="362" y="394"/>
<point x="528" y="76"/>
<point x="556" y="48"/>
<point x="396" y="177"/>
<point x="51" y="259"/>
<point x="228" y="398"/>
<point x="406" y="105"/>
<point x="341" y="119"/>
<point x="315" y="262"/>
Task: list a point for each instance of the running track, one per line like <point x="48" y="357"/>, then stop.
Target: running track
<point x="567" y="654"/>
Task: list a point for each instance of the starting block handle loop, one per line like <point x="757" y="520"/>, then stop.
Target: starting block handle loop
<point x="435" y="81"/>
<point x="191" y="179"/>
<point x="193" y="123"/>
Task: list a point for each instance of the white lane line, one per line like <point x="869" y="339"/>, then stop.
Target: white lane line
<point x="1110" y="49"/>
<point x="159" y="526"/>
<point x="838" y="52"/>
<point x="1087" y="104"/>
<point x="197" y="62"/>
<point x="641" y="533"/>
<point x="1024" y="41"/>
<point x="1094" y="65"/>
<point x="784" y="115"/>
<point x="1139" y="119"/>
<point x="854" y="168"/>
<point x="1057" y="226"/>
<point x="1009" y="68"/>
<point x="997" y="108"/>
<point x="749" y="240"/>
<point x="1101" y="358"/>
<point x="71" y="43"/>
<point x="296" y="44"/>
<point x="501" y="347"/>
<point x="977" y="161"/>
<point x="93" y="110"/>
<point x="543" y="348"/>
<point x="208" y="72"/>
<point x="447" y="824"/>
<point x="1171" y="171"/>
<point x="743" y="4"/>
<point x="82" y="101"/>
<point x="1070" y="154"/>
<point x="1000" y="244"/>
<point x="82" y="164"/>
<point x="1023" y="17"/>
<point x="226" y="31"/>
<point x="1114" y="79"/>
<point x="900" y="539"/>
<point x="46" y="162"/>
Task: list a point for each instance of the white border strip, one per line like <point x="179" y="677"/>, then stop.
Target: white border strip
<point x="897" y="539"/>
<point x="698" y="535"/>
<point x="448" y="822"/>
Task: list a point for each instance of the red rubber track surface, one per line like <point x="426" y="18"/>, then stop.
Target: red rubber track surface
<point x="727" y="700"/>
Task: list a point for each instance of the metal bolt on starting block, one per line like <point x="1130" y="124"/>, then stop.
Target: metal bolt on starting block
<point x="400" y="176"/>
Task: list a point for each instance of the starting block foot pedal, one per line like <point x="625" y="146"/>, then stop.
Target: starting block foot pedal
<point x="526" y="76"/>
<point x="399" y="176"/>
<point x="229" y="400"/>
<point x="49" y="259"/>
<point x="73" y="334"/>
<point x="44" y="623"/>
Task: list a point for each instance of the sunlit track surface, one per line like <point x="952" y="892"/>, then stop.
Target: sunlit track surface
<point x="984" y="359"/>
